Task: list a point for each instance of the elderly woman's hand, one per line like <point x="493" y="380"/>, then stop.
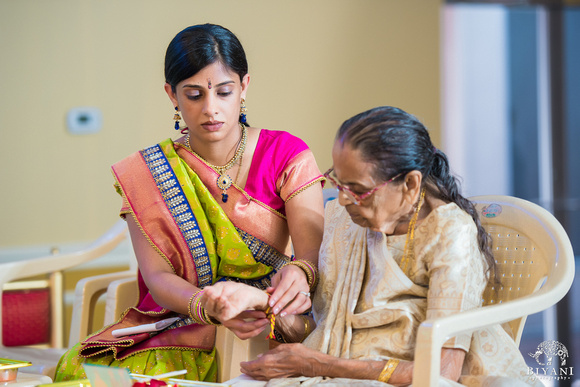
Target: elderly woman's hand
<point x="290" y="291"/>
<point x="237" y="306"/>
<point x="286" y="360"/>
<point x="226" y="300"/>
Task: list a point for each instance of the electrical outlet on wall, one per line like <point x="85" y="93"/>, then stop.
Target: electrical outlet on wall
<point x="84" y="120"/>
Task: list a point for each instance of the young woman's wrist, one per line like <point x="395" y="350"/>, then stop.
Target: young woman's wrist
<point x="309" y="269"/>
<point x="197" y="312"/>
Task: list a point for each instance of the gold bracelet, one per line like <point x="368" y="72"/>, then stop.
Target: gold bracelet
<point x="387" y="372"/>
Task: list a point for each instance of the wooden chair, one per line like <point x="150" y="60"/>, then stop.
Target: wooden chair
<point x="536" y="266"/>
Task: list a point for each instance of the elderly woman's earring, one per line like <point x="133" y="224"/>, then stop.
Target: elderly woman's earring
<point x="243" y="110"/>
<point x="177" y="118"/>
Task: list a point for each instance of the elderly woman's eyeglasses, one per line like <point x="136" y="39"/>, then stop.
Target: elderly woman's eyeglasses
<point x="356" y="199"/>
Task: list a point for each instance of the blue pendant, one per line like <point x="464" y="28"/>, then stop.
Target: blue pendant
<point x="224" y="197"/>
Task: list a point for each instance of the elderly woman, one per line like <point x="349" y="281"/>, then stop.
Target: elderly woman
<point x="401" y="245"/>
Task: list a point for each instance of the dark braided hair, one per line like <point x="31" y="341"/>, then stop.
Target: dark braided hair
<point x="397" y="142"/>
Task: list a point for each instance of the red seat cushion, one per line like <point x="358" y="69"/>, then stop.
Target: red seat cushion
<point x="25" y="317"/>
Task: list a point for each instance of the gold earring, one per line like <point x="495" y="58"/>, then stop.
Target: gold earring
<point x="243" y="111"/>
<point x="177" y="118"/>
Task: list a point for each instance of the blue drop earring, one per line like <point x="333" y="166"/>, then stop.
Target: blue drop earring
<point x="243" y="111"/>
<point x="177" y="118"/>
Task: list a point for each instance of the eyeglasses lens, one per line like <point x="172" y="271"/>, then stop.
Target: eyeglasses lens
<point x="350" y="196"/>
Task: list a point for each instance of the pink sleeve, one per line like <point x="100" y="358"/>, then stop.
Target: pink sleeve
<point x="300" y="173"/>
<point x="282" y="166"/>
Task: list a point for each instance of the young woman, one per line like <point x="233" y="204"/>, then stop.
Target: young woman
<point x="221" y="203"/>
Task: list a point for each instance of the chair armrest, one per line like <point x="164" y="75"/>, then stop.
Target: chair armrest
<point x="14" y="270"/>
<point x="87" y="292"/>
<point x="432" y="334"/>
<point x="121" y="294"/>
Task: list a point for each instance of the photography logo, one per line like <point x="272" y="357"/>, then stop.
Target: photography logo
<point x="548" y="354"/>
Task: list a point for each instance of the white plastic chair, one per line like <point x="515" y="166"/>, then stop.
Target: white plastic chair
<point x="122" y="294"/>
<point x="117" y="299"/>
<point x="44" y="360"/>
<point x="329" y="194"/>
<point x="536" y="266"/>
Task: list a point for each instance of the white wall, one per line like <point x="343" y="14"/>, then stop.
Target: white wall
<point x="475" y="132"/>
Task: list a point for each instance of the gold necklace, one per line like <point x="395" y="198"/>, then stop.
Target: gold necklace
<point x="224" y="181"/>
<point x="410" y="239"/>
<point x="239" y="169"/>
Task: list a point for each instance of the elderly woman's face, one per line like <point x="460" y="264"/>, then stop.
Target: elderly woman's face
<point x="382" y="211"/>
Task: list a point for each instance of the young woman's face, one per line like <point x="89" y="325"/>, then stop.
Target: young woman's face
<point x="210" y="101"/>
<point x="385" y="208"/>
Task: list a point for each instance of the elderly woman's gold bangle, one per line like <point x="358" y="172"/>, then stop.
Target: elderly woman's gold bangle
<point x="306" y="327"/>
<point x="387" y="372"/>
<point x="309" y="269"/>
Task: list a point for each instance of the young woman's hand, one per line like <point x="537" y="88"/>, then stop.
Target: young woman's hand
<point x="290" y="293"/>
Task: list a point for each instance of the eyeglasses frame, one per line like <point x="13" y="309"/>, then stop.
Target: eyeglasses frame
<point x="356" y="199"/>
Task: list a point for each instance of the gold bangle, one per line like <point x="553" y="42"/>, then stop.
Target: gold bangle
<point x="306" y="327"/>
<point x="209" y="319"/>
<point x="309" y="269"/>
<point x="197" y="313"/>
<point x="189" y="311"/>
<point x="387" y="372"/>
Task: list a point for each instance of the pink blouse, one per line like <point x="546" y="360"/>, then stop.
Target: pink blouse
<point x="282" y="166"/>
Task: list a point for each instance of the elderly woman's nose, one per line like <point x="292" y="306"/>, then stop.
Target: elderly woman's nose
<point x="344" y="199"/>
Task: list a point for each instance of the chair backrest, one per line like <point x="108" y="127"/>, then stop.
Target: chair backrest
<point x="329" y="194"/>
<point x="54" y="265"/>
<point x="525" y="243"/>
